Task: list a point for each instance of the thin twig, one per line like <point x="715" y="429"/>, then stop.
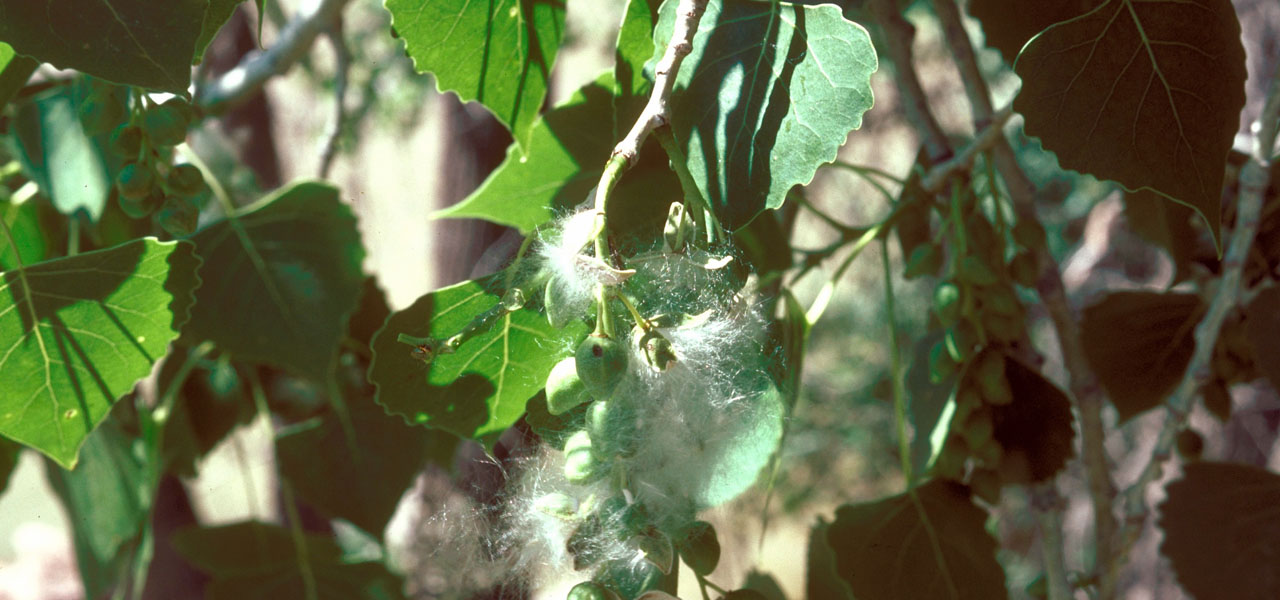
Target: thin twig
<point x="341" y="70"/>
<point x="1254" y="178"/>
<point x="1084" y="387"/>
<point x="238" y="84"/>
<point x="935" y="180"/>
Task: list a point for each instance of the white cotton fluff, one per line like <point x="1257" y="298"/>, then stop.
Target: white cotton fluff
<point x="571" y="282"/>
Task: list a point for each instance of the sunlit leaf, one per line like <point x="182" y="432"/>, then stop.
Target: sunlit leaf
<point x="280" y="279"/>
<point x="498" y="53"/>
<point x="635" y="46"/>
<point x="768" y="94"/>
<point x="59" y="155"/>
<point x="934" y="548"/>
<point x="1221" y="527"/>
<point x="481" y="389"/>
<point x="80" y="331"/>
<point x="135" y="42"/>
<point x="15" y="69"/>
<point x="1147" y="94"/>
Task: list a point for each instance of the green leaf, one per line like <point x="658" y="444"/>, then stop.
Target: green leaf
<point x="58" y="154"/>
<point x="280" y="279"/>
<point x="563" y="163"/>
<point x="635" y="46"/>
<point x="481" y="389"/>
<point x="1035" y="430"/>
<point x="216" y="14"/>
<point x="769" y="93"/>
<point x="107" y="497"/>
<point x="932" y="546"/>
<point x="15" y="70"/>
<point x="498" y="53"/>
<point x="1262" y="328"/>
<point x="821" y="579"/>
<point x="256" y="561"/>
<point x="83" y="331"/>
<point x="10" y="452"/>
<point x="210" y="404"/>
<point x="362" y="478"/>
<point x="134" y="42"/>
<point x="1164" y="224"/>
<point x="1008" y="24"/>
<point x="1166" y="78"/>
<point x="1139" y="343"/>
<point x="1222" y="531"/>
<point x="930" y="406"/>
<point x="37" y="229"/>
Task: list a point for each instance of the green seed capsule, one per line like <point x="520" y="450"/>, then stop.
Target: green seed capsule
<point x="140" y="208"/>
<point x="589" y="590"/>
<point x="165" y="125"/>
<point x="960" y="340"/>
<point x="973" y="271"/>
<point x="977" y="428"/>
<point x="941" y="367"/>
<point x="185" y="180"/>
<point x="126" y="141"/>
<point x="135" y="181"/>
<point x="989" y="371"/>
<point x="612" y="426"/>
<point x="924" y="260"/>
<point x="580" y="465"/>
<point x="601" y="363"/>
<point x="565" y="390"/>
<point x="946" y="302"/>
<point x="101" y="112"/>
<point x="556" y="505"/>
<point x="699" y="548"/>
<point x="178" y="216"/>
<point x="557" y="304"/>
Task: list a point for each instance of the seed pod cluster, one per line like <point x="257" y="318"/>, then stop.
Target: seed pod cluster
<point x="971" y="440"/>
<point x="148" y="183"/>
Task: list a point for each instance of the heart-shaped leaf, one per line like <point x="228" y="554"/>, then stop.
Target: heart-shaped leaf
<point x="1147" y="94"/>
<point x="15" y="69"/>
<point x="280" y="279"/>
<point x="768" y="94"/>
<point x="134" y="42"/>
<point x="81" y="331"/>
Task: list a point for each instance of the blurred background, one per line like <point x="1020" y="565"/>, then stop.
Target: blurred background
<point x="406" y="150"/>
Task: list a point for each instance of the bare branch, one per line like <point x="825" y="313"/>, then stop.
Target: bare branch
<point x="656" y="112"/>
<point x="935" y="180"/>
<point x="1254" y="178"/>
<point x="898" y="35"/>
<point x="238" y="84"/>
<point x="342" y="68"/>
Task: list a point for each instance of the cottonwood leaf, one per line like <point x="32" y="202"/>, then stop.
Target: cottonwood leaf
<point x="563" y="162"/>
<point x="1221" y="527"/>
<point x="59" y="155"/>
<point x="257" y="561"/>
<point x="1139" y="343"/>
<point x="280" y="279"/>
<point x="15" y="70"/>
<point x="358" y="478"/>
<point x="1035" y="430"/>
<point x="216" y="14"/>
<point x="821" y="579"/>
<point x="768" y="94"/>
<point x="635" y="46"/>
<point x="930" y="406"/>
<point x="1164" y="224"/>
<point x="132" y="42"/>
<point x="108" y="497"/>
<point x="1147" y="94"/>
<point x="1262" y="328"/>
<point x="498" y="53"/>
<point x="934" y="546"/>
<point x="37" y="229"/>
<point x="1008" y="24"/>
<point x="81" y="331"/>
<point x="481" y="389"/>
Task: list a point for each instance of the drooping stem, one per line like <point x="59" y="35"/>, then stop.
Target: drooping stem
<point x="895" y="369"/>
<point x="1254" y="178"/>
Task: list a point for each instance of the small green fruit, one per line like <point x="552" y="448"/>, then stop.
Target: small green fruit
<point x="135" y="181"/>
<point x="126" y="141"/>
<point x="973" y="271"/>
<point x="557" y="304"/>
<point x="946" y="302"/>
<point x="178" y="216"/>
<point x="556" y="505"/>
<point x="140" y="208"/>
<point x="183" y="107"/>
<point x="941" y="367"/>
<point x="565" y="390"/>
<point x="992" y="381"/>
<point x="612" y="426"/>
<point x="580" y="465"/>
<point x="101" y="112"/>
<point x="185" y="180"/>
<point x="165" y="125"/>
<point x="601" y="363"/>
<point x="589" y="590"/>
